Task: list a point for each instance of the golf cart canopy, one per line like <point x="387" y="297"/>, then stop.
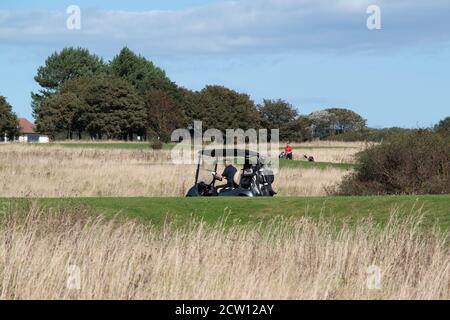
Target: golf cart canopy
<point x="228" y="153"/>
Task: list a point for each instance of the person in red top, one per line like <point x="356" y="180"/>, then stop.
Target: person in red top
<point x="288" y="151"/>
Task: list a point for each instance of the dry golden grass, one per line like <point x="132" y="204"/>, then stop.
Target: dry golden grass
<point x="326" y="151"/>
<point x="42" y="252"/>
<point x="332" y="144"/>
<point x="51" y="171"/>
<point x="329" y="151"/>
<point x="306" y="182"/>
<point x="335" y="155"/>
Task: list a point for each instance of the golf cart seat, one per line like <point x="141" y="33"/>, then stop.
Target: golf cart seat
<point x="243" y="177"/>
<point x="237" y="177"/>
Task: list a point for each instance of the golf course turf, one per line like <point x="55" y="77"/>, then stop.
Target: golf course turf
<point x="435" y="208"/>
<point x="311" y="165"/>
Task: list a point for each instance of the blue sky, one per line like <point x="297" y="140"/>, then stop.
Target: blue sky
<point x="313" y="53"/>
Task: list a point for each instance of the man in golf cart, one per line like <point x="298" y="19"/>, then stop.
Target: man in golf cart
<point x="254" y="179"/>
<point x="229" y="174"/>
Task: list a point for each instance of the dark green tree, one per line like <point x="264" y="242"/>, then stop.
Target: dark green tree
<point x="332" y="121"/>
<point x="222" y="108"/>
<point x="297" y="130"/>
<point x="104" y="106"/>
<point x="321" y="123"/>
<point x="9" y="123"/>
<point x="279" y="114"/>
<point x="142" y="73"/>
<point x="345" y="120"/>
<point x="68" y="64"/>
<point x="60" y="67"/>
<point x="163" y="115"/>
<point x="115" y="110"/>
<point x="62" y="112"/>
<point x="276" y="113"/>
<point x="191" y="107"/>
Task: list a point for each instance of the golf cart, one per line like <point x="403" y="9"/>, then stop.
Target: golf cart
<point x="254" y="179"/>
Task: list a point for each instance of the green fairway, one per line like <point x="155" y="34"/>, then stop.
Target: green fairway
<point x="436" y="209"/>
<point x="318" y="165"/>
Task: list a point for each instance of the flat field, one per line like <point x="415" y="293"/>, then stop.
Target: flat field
<point x="90" y="169"/>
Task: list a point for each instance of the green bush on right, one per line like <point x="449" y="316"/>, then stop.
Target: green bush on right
<point x="416" y="162"/>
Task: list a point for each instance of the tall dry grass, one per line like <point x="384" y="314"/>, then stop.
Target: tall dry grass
<point x="333" y="144"/>
<point x="334" y="155"/>
<point x="306" y="182"/>
<point x="330" y="151"/>
<point x="73" y="255"/>
<point x="327" y="151"/>
<point x="48" y="171"/>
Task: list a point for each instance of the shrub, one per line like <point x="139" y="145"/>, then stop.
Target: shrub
<point x="443" y="127"/>
<point x="370" y="134"/>
<point x="411" y="163"/>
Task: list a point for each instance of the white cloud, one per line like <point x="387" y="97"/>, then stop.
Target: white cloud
<point x="229" y="27"/>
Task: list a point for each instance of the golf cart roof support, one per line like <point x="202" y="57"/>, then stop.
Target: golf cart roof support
<point x="223" y="153"/>
<point x="198" y="167"/>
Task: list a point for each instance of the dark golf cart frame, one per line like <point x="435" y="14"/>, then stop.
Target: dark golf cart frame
<point x="256" y="179"/>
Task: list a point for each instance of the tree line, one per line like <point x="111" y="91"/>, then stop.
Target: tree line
<point x="129" y="96"/>
<point x="82" y="96"/>
<point x="9" y="124"/>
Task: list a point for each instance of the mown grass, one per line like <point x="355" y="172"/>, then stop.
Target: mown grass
<point x="435" y="208"/>
<point x="318" y="165"/>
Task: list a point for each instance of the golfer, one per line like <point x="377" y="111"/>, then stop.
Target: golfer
<point x="228" y="173"/>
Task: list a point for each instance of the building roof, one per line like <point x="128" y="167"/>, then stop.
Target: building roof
<point x="26" y="126"/>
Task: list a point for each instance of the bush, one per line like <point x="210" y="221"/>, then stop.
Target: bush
<point x="156" y="145"/>
<point x="370" y="134"/>
<point x="443" y="127"/>
<point x="411" y="163"/>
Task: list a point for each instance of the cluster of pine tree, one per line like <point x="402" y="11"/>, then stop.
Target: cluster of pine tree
<point x="127" y="97"/>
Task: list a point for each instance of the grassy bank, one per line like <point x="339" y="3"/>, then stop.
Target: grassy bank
<point x="436" y="209"/>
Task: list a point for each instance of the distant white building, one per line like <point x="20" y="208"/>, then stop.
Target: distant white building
<point x="28" y="133"/>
